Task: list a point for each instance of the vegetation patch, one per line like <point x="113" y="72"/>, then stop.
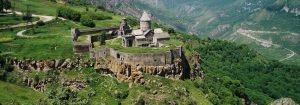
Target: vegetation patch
<point x="173" y="42"/>
<point x="87" y="21"/>
<point x="12" y="20"/>
<point x="52" y="41"/>
<point x="68" y="13"/>
<point x="117" y="45"/>
<point x="4" y="40"/>
<point x="14" y="94"/>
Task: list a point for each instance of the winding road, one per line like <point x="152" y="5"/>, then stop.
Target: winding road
<point x="247" y="34"/>
<point x="43" y="18"/>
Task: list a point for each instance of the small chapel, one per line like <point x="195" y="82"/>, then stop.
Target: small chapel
<point x="145" y="36"/>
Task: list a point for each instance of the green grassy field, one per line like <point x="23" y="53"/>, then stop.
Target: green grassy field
<point x="12" y="20"/>
<point x="117" y="45"/>
<point x="50" y="41"/>
<point x="45" y="7"/>
<point x="14" y="94"/>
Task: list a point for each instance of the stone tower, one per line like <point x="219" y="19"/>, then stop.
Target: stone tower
<point x="145" y="22"/>
<point x="124" y="28"/>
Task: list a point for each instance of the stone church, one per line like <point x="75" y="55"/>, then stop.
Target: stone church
<point x="145" y="36"/>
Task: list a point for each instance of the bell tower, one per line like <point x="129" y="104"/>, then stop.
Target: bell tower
<point x="145" y="22"/>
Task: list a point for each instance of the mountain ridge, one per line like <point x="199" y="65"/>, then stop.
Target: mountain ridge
<point x="222" y="19"/>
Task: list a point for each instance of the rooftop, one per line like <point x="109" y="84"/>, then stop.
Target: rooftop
<point x="145" y="17"/>
<point x="162" y="35"/>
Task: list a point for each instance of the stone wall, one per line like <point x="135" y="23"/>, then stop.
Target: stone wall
<point x="75" y="33"/>
<point x="130" y="67"/>
<point x="144" y="59"/>
<point x="80" y="47"/>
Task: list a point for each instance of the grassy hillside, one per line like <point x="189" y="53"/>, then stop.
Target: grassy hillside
<point x="107" y="90"/>
<point x="233" y="72"/>
<point x="53" y="41"/>
<point x="12" y="20"/>
<point x="14" y="94"/>
<point x="262" y="79"/>
<point x="280" y="28"/>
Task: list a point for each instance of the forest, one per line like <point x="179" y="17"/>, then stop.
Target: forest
<point x="233" y="74"/>
<point x="240" y="70"/>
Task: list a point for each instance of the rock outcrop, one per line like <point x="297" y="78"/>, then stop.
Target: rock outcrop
<point x="196" y="67"/>
<point x="29" y="65"/>
<point x="38" y="85"/>
<point x="134" y="73"/>
<point x="75" y="84"/>
<point x="284" y="101"/>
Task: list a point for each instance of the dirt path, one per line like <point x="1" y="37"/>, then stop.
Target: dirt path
<point x="21" y="34"/>
<point x="265" y="43"/>
<point x="43" y="18"/>
<point x="289" y="55"/>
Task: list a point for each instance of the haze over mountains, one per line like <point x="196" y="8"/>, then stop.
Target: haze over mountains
<point x="269" y="26"/>
<point x="79" y="59"/>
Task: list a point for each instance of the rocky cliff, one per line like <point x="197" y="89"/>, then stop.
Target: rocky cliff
<point x="284" y="101"/>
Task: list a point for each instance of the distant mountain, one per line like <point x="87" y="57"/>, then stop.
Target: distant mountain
<point x="210" y="17"/>
<point x="243" y="21"/>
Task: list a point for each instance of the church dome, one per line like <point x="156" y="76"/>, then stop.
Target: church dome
<point x="145" y="17"/>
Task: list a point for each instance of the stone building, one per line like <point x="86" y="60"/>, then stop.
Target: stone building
<point x="131" y="66"/>
<point x="145" y="36"/>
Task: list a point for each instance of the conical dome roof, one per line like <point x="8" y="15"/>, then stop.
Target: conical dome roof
<point x="145" y="17"/>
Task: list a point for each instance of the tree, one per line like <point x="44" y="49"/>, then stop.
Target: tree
<point x="140" y="101"/>
<point x="40" y="23"/>
<point x="28" y="17"/>
<point x="103" y="37"/>
<point x="4" y="4"/>
<point x="7" y="4"/>
<point x="86" y="8"/>
<point x="68" y="13"/>
<point x="1" y="5"/>
<point x="87" y="21"/>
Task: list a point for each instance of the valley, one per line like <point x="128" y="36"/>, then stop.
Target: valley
<point x="178" y="52"/>
<point x="222" y="19"/>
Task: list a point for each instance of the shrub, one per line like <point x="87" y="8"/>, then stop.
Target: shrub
<point x="121" y="94"/>
<point x="101" y="8"/>
<point x="27" y="16"/>
<point x="54" y="1"/>
<point x="5" y="40"/>
<point x="40" y="23"/>
<point x="96" y="16"/>
<point x="86" y="9"/>
<point x="77" y="2"/>
<point x="132" y="21"/>
<point x="140" y="101"/>
<point x="68" y="13"/>
<point x="87" y="21"/>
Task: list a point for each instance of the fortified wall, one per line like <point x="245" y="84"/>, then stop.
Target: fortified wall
<point x="85" y="46"/>
<point x="143" y="59"/>
<point x="130" y="67"/>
